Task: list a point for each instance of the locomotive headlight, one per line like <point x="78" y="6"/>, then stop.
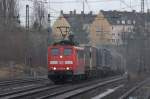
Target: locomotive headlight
<point x="54" y="68"/>
<point x="67" y="68"/>
<point x="61" y="56"/>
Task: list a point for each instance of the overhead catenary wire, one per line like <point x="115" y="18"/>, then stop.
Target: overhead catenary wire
<point x="129" y="6"/>
<point x="147" y="4"/>
<point x="72" y="1"/>
<point x="88" y="5"/>
<point x="56" y="12"/>
<point x="89" y="2"/>
<point x="138" y="5"/>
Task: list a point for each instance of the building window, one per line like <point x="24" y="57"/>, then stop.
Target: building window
<point x="113" y="40"/>
<point x="134" y="22"/>
<point x="129" y="29"/>
<point x="118" y="21"/>
<point x="112" y="27"/>
<point x="123" y="21"/>
<point x="113" y="34"/>
<point x="129" y="21"/>
<point x="86" y="27"/>
<point x="117" y="40"/>
<point x="98" y="29"/>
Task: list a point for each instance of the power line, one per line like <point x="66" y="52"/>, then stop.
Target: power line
<point x="147" y="4"/>
<point x="69" y="1"/>
<point x="126" y="4"/>
<point x="138" y="5"/>
<point x="88" y="5"/>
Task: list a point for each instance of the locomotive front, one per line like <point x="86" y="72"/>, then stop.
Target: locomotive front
<point x="61" y="62"/>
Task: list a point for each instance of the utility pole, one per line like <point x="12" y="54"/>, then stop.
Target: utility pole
<point x="27" y="17"/>
<point x="83" y="5"/>
<point x="142" y="6"/>
<point x="28" y="57"/>
<point x="143" y="41"/>
<point x="49" y="28"/>
<point x="27" y="29"/>
<point x="49" y="20"/>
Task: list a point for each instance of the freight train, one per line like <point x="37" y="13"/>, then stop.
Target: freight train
<point x="68" y="61"/>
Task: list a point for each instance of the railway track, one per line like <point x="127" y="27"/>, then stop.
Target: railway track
<point x="18" y="81"/>
<point x="132" y="90"/>
<point x="23" y="92"/>
<point x="59" y="90"/>
<point x="73" y="92"/>
<point x="10" y="86"/>
<point x="119" y="91"/>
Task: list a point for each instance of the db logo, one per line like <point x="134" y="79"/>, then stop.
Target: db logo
<point x="61" y="62"/>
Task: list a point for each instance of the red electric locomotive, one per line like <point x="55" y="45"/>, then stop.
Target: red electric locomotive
<point x="65" y="61"/>
<point x="68" y="62"/>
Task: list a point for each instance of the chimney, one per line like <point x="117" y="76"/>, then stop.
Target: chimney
<point x="61" y="12"/>
<point x="74" y="12"/>
<point x="71" y="13"/>
<point x="101" y="11"/>
<point x="133" y="11"/>
<point x="148" y="10"/>
<point x="91" y="13"/>
<point x="82" y="12"/>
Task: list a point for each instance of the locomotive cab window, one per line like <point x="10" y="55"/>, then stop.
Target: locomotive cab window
<point x="67" y="51"/>
<point x="54" y="51"/>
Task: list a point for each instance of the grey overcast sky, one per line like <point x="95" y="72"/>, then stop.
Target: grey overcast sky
<point x="54" y="6"/>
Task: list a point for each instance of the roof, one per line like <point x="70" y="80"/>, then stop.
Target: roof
<point x="66" y="42"/>
<point x="79" y="24"/>
<point x="123" y="17"/>
<point x="77" y="21"/>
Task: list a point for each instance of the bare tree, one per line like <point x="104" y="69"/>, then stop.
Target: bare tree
<point x="40" y="15"/>
<point x="8" y="11"/>
<point x="10" y="36"/>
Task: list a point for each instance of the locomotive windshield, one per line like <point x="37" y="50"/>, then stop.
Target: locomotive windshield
<point x="67" y="51"/>
<point x="54" y="51"/>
